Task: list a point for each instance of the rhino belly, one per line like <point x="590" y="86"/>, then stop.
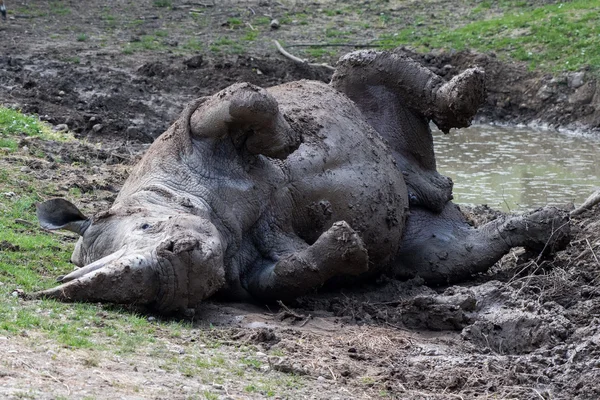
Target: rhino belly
<point x="342" y="171"/>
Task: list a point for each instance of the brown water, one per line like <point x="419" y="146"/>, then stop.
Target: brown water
<point x="518" y="168"/>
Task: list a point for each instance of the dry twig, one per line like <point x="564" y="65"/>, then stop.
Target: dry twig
<point x="588" y="203"/>
<point x="299" y="60"/>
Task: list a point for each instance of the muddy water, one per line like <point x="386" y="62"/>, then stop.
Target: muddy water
<point x="518" y="168"/>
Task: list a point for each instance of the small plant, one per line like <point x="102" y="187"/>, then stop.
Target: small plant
<point x="210" y="396"/>
<point x="250" y="36"/>
<point x="332" y="13"/>
<point x="251" y="389"/>
<point x="234" y="22"/>
<point x="82" y="37"/>
<point x="262" y="21"/>
<point x="8" y="144"/>
<point x="163" y="3"/>
<point x="58" y="8"/>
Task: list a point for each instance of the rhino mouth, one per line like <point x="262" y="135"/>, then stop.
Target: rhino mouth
<point x="174" y="276"/>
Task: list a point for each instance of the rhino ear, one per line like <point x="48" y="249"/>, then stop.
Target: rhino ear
<point x="61" y="214"/>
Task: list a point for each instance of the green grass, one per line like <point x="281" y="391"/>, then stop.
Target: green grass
<point x="234" y="22"/>
<point x="193" y="45"/>
<point x="250" y="36"/>
<point x="554" y="37"/>
<point x="226" y="45"/>
<point x="13" y="123"/>
<point x="58" y="8"/>
<point x="146" y="43"/>
<point x="9" y="144"/>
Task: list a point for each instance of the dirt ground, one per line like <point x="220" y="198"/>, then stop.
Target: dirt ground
<point x="530" y="328"/>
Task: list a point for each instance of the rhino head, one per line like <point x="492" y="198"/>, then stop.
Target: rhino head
<point x="162" y="258"/>
<point x="184" y="206"/>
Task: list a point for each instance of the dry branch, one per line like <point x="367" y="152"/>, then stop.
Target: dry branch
<point x="588" y="203"/>
<point x="299" y="60"/>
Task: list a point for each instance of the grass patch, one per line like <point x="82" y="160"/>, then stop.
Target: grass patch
<point x="146" y="43"/>
<point x="59" y="8"/>
<point x="319" y="52"/>
<point x="553" y="37"/>
<point x="193" y="44"/>
<point x="250" y="36"/>
<point x="226" y="45"/>
<point x="14" y="122"/>
<point x="9" y="144"/>
<point x="234" y="22"/>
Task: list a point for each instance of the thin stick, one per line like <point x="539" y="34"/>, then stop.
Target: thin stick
<point x="593" y="252"/>
<point x="358" y="45"/>
<point x="332" y="374"/>
<point x="299" y="60"/>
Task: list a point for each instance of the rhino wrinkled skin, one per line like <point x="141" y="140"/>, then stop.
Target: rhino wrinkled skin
<point x="271" y="193"/>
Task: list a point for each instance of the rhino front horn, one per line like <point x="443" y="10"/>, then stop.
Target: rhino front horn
<point x="128" y="281"/>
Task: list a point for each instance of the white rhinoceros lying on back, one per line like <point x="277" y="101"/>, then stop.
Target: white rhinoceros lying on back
<point x="273" y="192"/>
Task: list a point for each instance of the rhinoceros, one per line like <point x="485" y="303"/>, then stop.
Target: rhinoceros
<point x="272" y="193"/>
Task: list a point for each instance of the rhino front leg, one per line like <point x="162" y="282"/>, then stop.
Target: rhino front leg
<point x="443" y="248"/>
<point x="337" y="252"/>
<point x="250" y="116"/>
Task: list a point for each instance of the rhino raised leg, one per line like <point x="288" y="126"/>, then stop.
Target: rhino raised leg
<point x="450" y="104"/>
<point x="443" y="248"/>
<point x="338" y="251"/>
<point x="399" y="97"/>
<point x="250" y="115"/>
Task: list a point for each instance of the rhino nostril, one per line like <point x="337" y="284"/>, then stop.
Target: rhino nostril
<point x="170" y="246"/>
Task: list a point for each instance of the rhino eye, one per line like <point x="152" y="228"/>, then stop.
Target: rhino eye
<point x="145" y="226"/>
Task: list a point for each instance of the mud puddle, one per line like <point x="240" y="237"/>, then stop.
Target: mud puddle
<point x="512" y="168"/>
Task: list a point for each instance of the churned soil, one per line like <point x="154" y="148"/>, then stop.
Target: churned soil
<point x="530" y="328"/>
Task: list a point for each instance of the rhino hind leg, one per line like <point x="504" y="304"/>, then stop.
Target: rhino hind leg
<point x="337" y="252"/>
<point x="443" y="248"/>
<point x="450" y="104"/>
<point x="399" y="97"/>
<point x="250" y="116"/>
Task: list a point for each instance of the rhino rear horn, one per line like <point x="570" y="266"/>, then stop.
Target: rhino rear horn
<point x="61" y="214"/>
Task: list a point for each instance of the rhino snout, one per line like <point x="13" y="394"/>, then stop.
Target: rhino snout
<point x="190" y="269"/>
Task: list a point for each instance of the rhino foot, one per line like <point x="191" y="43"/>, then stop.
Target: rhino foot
<point x="457" y="101"/>
<point x="337" y="252"/>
